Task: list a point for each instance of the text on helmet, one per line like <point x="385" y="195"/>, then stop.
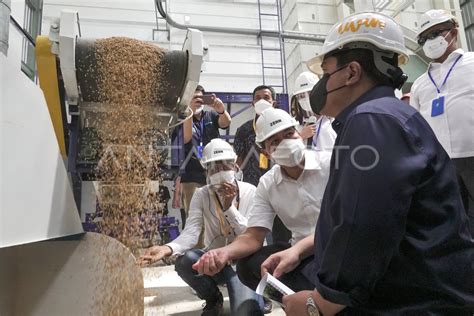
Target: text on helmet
<point x="354" y="26"/>
<point x="218" y="152"/>
<point x="275" y="122"/>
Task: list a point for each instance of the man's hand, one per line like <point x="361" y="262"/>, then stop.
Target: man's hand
<point x="217" y="105"/>
<point x="212" y="262"/>
<point x="227" y="193"/>
<point x="280" y="263"/>
<point x="295" y="304"/>
<point x="153" y="254"/>
<point x="308" y="131"/>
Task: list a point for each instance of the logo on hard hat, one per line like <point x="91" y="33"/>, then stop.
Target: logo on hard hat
<point x="275" y="122"/>
<point x="218" y="152"/>
<point x="427" y="22"/>
<point x="354" y="26"/>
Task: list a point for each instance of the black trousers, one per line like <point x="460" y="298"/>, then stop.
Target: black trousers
<point x="465" y="175"/>
<point x="248" y="269"/>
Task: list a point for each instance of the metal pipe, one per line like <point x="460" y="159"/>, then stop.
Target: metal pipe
<point x="5" y="10"/>
<point x="253" y="32"/>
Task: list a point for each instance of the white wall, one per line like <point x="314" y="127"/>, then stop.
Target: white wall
<point x="234" y="61"/>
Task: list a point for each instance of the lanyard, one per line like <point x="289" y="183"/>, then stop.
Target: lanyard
<point x="315" y="141"/>
<point x="447" y="75"/>
<point x="200" y="135"/>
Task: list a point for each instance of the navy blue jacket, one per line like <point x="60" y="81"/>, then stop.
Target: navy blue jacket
<point x="392" y="237"/>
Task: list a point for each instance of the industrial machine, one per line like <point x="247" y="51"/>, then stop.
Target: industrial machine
<point x="80" y="78"/>
<point x="48" y="265"/>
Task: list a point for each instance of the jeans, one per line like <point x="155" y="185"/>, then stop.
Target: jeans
<point x="248" y="269"/>
<point x="243" y="301"/>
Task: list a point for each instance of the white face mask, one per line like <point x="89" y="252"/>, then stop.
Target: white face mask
<point x="436" y="47"/>
<point x="305" y="104"/>
<point x="199" y="109"/>
<point x="261" y="105"/>
<point x="289" y="152"/>
<point x="221" y="177"/>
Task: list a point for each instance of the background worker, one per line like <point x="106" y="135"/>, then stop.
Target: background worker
<point x="444" y="96"/>
<point x="197" y="133"/>
<point x="315" y="128"/>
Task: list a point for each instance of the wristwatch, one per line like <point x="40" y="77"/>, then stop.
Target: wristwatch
<point x="311" y="307"/>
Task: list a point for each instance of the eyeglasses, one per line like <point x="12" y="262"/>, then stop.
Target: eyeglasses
<point x="434" y="34"/>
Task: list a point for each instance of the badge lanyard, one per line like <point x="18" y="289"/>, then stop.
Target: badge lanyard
<point x="315" y="141"/>
<point x="201" y="137"/>
<point x="437" y="105"/>
<point x="263" y="160"/>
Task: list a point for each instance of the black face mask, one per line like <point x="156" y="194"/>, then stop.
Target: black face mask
<point x="317" y="97"/>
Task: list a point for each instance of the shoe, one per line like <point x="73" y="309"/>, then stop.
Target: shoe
<point x="214" y="306"/>
<point x="267" y="305"/>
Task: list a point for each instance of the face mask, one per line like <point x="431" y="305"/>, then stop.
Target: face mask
<point x="436" y="47"/>
<point x="289" y="152"/>
<point x="261" y="105"/>
<point x="319" y="93"/>
<point x="305" y="103"/>
<point x="199" y="109"/>
<point x="221" y="177"/>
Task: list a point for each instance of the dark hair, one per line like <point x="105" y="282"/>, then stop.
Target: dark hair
<point x="263" y="87"/>
<point x="200" y="88"/>
<point x="365" y="57"/>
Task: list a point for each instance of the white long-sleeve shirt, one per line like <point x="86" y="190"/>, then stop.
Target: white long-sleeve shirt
<point x="202" y="211"/>
<point x="455" y="127"/>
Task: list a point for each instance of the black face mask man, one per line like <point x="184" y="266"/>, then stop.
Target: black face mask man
<point x="319" y="92"/>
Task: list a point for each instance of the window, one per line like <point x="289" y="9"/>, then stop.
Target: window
<point x="32" y="25"/>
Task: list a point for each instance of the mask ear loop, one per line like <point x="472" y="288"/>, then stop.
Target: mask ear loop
<point x="396" y="74"/>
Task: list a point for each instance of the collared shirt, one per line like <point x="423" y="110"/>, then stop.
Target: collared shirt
<point x="202" y="211"/>
<point x="204" y="130"/>
<point x="455" y="127"/>
<point x="296" y="202"/>
<point x="244" y="145"/>
<point x="392" y="237"/>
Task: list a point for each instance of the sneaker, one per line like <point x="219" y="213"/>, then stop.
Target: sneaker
<point x="214" y="306"/>
<point x="267" y="305"/>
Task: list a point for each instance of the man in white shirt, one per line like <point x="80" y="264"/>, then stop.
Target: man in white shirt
<point x="293" y="190"/>
<point x="444" y="96"/>
<point x="222" y="207"/>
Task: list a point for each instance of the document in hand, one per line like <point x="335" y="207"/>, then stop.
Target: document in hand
<point x="272" y="288"/>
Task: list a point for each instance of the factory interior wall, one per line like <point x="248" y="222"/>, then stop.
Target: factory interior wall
<point x="233" y="63"/>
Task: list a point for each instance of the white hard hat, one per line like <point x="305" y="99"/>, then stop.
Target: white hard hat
<point x="272" y="121"/>
<point x="368" y="27"/>
<point x="435" y="17"/>
<point x="305" y="82"/>
<point x="217" y="150"/>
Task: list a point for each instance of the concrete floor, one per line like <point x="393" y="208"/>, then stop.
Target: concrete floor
<point x="167" y="294"/>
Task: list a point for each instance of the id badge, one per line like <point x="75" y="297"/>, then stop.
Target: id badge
<point x="263" y="162"/>
<point x="437" y="106"/>
<point x="199" y="151"/>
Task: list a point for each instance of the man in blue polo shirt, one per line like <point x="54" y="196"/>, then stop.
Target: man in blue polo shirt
<point x="392" y="237"/>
